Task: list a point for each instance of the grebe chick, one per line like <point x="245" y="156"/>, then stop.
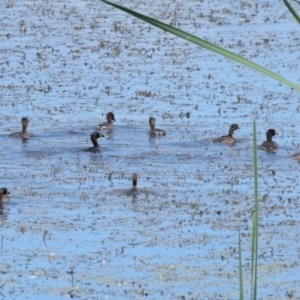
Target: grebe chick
<point x="3" y="191"/>
<point x="153" y="131"/>
<point x="269" y="145"/>
<point x="227" y="139"/>
<point x="134" y="178"/>
<point x="24" y="134"/>
<point x="296" y="156"/>
<point x="94" y="137"/>
<point x="133" y="192"/>
<point x="110" y="117"/>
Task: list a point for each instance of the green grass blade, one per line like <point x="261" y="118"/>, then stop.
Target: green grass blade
<point x="291" y="9"/>
<point x="254" y="249"/>
<point x="205" y="44"/>
<point x="240" y="267"/>
<point x="254" y="258"/>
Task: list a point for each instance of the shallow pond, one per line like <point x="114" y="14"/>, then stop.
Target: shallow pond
<point x="69" y="227"/>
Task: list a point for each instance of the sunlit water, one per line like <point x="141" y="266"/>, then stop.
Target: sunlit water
<point x="71" y="227"/>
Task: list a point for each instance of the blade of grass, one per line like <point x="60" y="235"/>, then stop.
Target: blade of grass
<point x="291" y="9"/>
<point x="254" y="249"/>
<point x="205" y="44"/>
<point x="254" y="258"/>
<point x="240" y="267"/>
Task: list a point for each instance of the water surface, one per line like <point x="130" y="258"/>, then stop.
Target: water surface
<point x="69" y="227"/>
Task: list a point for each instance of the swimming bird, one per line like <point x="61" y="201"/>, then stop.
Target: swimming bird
<point x="134" y="178"/>
<point x="227" y="139"/>
<point x="3" y="191"/>
<point x="23" y="134"/>
<point x="110" y="118"/>
<point x="269" y="145"/>
<point x="94" y="136"/>
<point x="153" y="131"/>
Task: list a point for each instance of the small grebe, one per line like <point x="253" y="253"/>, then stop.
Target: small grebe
<point x="3" y="191"/>
<point x="227" y="139"/>
<point x="269" y="145"/>
<point x="153" y="131"/>
<point x="110" y="117"/>
<point x="94" y="137"/>
<point x="24" y="134"/>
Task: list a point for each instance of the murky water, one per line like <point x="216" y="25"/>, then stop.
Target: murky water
<point x="69" y="227"/>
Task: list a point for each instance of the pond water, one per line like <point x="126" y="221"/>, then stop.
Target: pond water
<point x="69" y="227"/>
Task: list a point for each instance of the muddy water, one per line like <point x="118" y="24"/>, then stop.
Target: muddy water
<point x="70" y="227"/>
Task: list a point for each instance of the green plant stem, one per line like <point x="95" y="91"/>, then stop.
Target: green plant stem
<point x="241" y="291"/>
<point x="254" y="249"/>
<point x="291" y="9"/>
